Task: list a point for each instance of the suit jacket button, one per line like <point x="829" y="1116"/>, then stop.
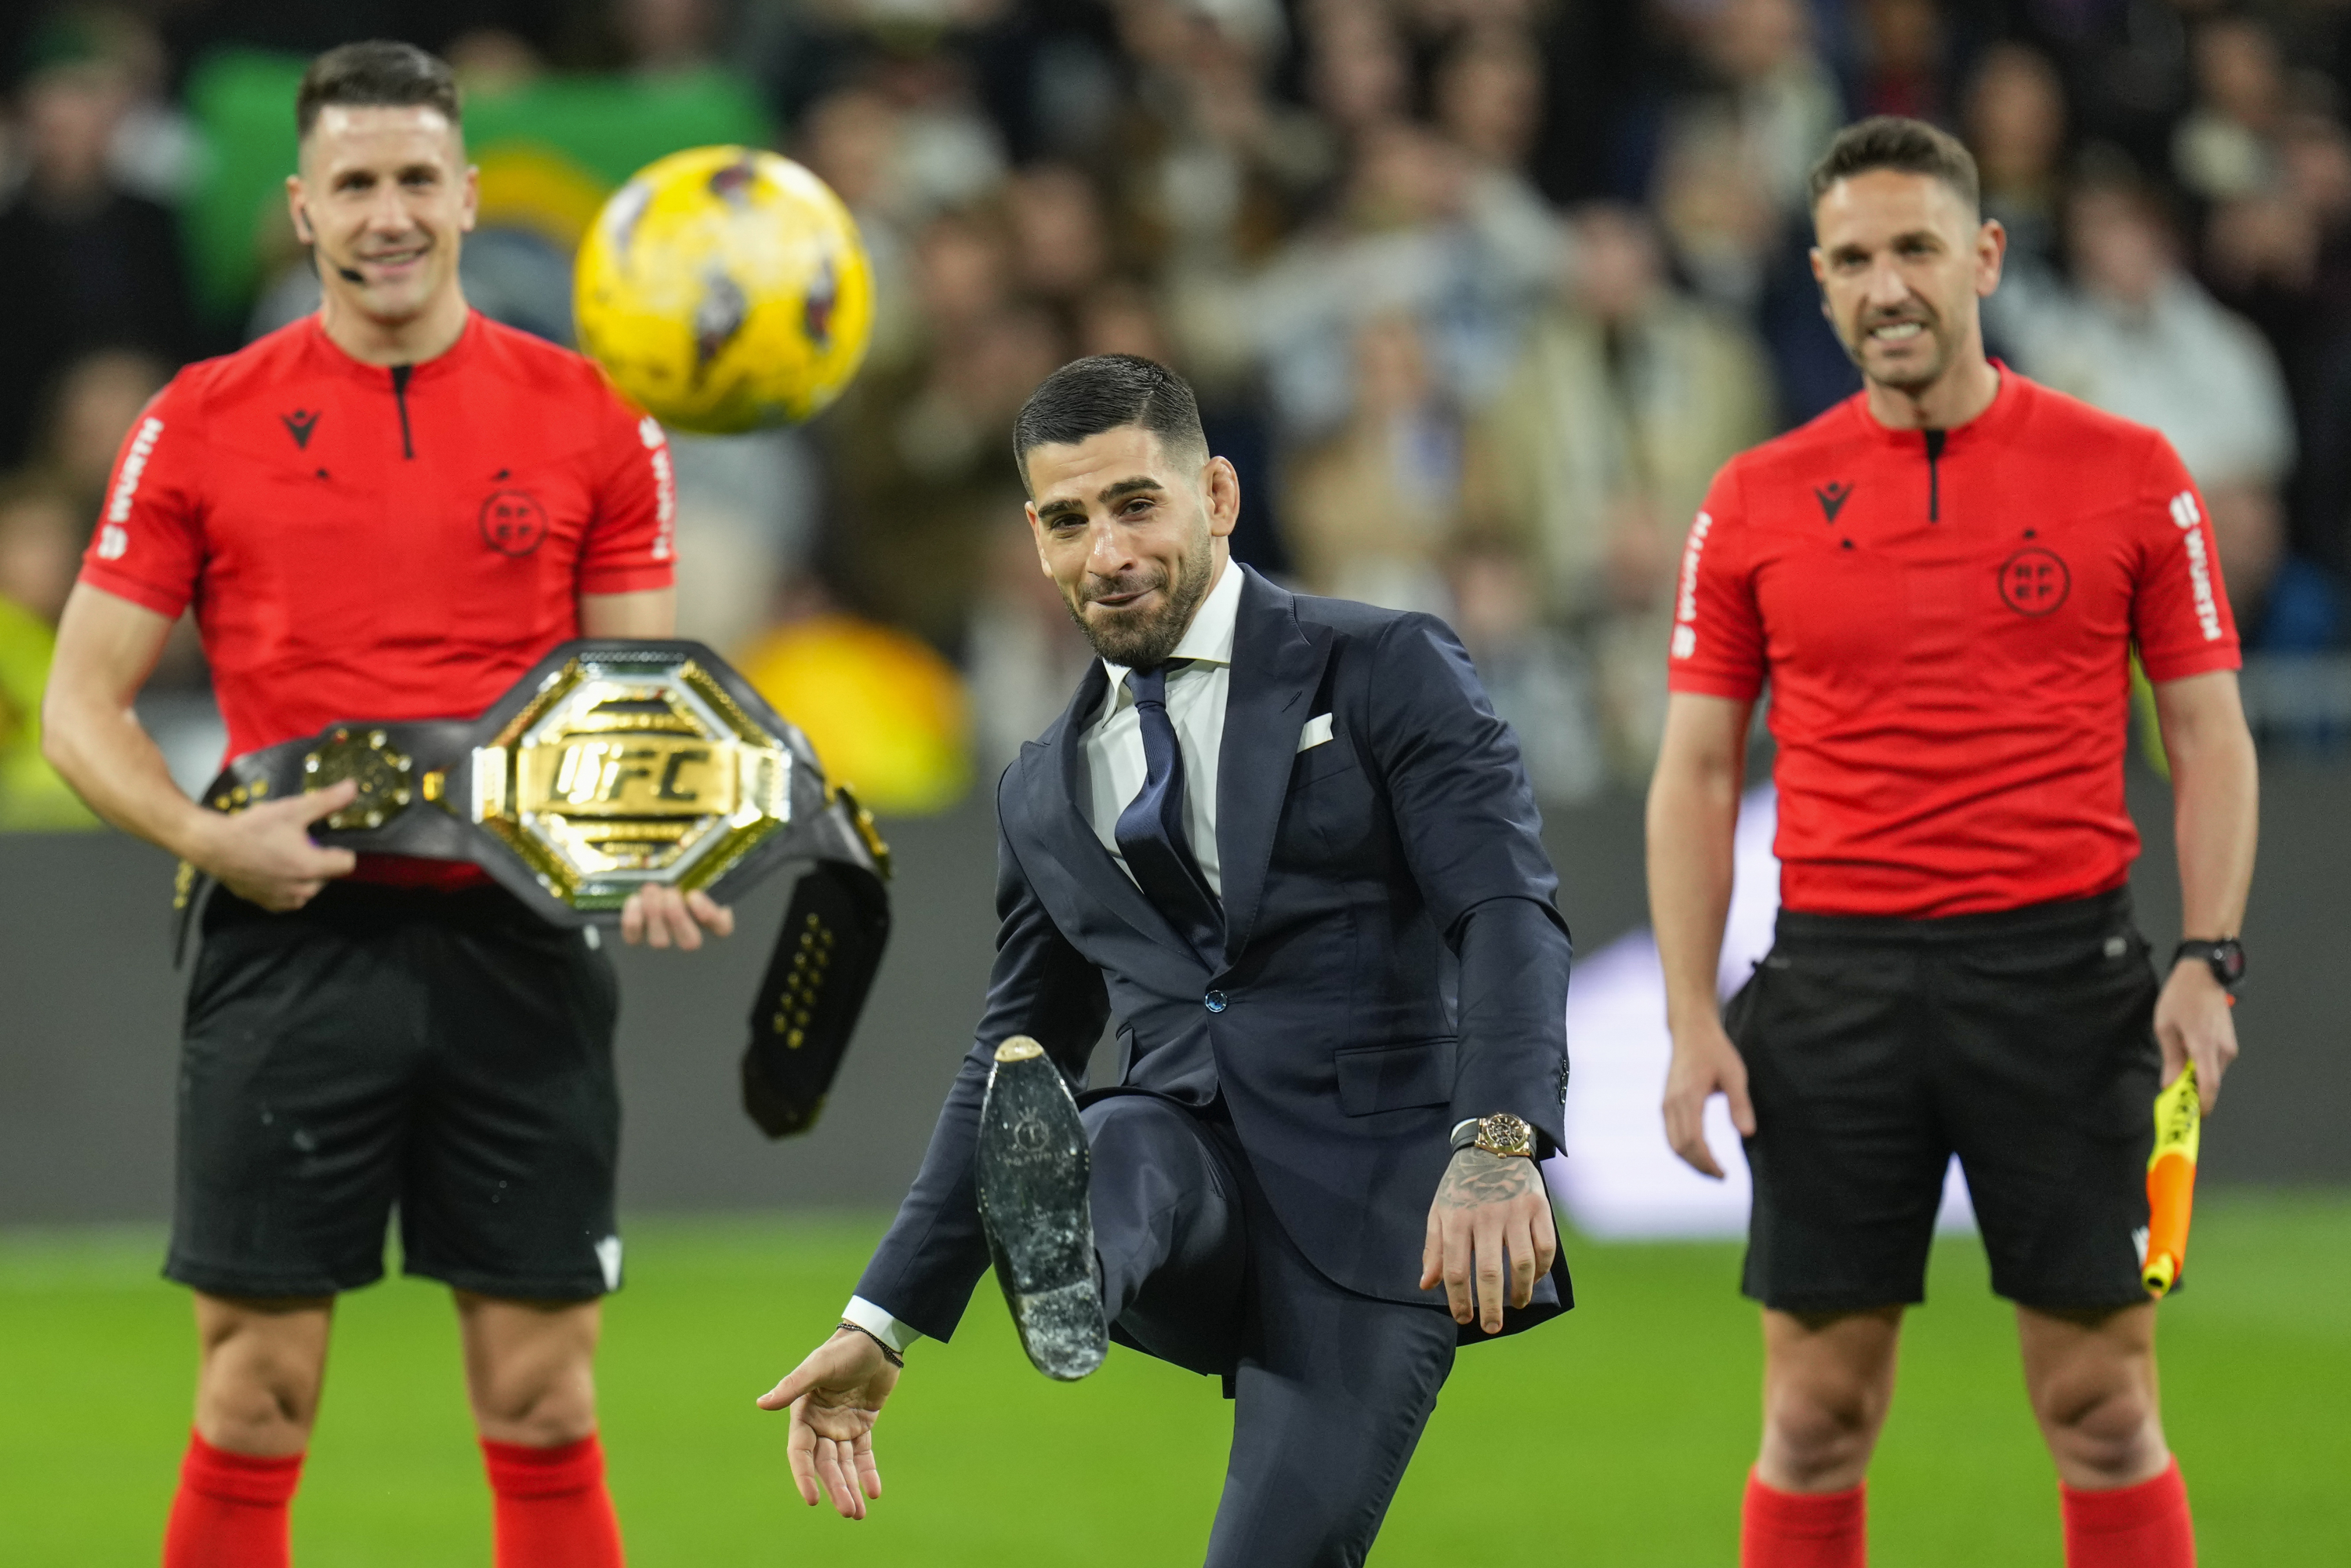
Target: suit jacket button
<point x="1213" y="1001"/>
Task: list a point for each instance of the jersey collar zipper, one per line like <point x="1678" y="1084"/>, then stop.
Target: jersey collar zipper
<point x="1934" y="475"/>
<point x="399" y="374"/>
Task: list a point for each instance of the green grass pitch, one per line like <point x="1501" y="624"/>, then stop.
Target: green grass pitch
<point x="1618" y="1436"/>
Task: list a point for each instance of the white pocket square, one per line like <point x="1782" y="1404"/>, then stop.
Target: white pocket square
<point x="1317" y="731"/>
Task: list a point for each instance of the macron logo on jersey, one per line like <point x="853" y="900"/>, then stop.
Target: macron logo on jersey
<point x="649" y="431"/>
<point x="2185" y="513"/>
<point x="113" y="539"/>
<point x="1686" y="601"/>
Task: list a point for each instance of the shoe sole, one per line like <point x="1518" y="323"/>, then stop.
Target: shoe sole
<point x="1032" y="1167"/>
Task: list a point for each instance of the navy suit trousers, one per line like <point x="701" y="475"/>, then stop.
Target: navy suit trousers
<point x="1331" y="1389"/>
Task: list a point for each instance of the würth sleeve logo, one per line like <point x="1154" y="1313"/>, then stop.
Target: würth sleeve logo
<point x="113" y="538"/>
<point x="1685" y="600"/>
<point x="2187" y="516"/>
<point x="665" y="487"/>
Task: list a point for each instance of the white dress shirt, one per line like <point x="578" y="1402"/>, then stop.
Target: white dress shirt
<point x="1112" y="752"/>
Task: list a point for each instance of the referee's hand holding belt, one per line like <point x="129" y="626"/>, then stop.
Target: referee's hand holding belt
<point x="663" y="918"/>
<point x="265" y="855"/>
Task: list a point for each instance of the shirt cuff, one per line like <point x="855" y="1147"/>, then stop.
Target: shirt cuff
<point x="898" y="1336"/>
<point x="1455" y="1137"/>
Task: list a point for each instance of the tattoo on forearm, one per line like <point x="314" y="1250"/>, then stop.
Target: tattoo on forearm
<point x="1476" y="1178"/>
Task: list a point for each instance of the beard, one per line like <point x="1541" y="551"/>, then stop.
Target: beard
<point x="1136" y="639"/>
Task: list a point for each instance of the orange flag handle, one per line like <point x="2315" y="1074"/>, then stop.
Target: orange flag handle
<point x="2171" y="1182"/>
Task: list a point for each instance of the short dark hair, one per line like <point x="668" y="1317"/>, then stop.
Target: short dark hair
<point x="1910" y="146"/>
<point x="1105" y="391"/>
<point x="377" y="74"/>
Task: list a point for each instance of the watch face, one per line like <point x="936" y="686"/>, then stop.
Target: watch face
<point x="2228" y="961"/>
<point x="1505" y="1132"/>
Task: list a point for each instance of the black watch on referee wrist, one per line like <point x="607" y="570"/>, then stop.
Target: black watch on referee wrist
<point x="2226" y="959"/>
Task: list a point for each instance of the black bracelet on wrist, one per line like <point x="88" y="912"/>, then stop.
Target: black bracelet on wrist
<point x="892" y="1356"/>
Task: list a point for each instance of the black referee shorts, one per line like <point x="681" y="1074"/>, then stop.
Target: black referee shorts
<point x="449" y="1054"/>
<point x="1875" y="1049"/>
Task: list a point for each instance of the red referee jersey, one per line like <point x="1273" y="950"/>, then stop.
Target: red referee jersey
<point x="364" y="542"/>
<point x="1944" y="620"/>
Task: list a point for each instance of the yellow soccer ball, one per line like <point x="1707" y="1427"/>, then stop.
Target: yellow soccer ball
<point x="726" y="289"/>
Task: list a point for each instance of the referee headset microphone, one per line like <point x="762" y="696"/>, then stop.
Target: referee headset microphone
<point x="350" y="275"/>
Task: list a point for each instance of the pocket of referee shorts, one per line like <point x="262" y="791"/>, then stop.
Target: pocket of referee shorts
<point x="2087" y="1006"/>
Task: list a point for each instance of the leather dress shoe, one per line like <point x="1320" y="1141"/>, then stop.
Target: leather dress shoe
<point x="1033" y="1167"/>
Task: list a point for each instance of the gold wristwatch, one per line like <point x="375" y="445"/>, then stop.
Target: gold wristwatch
<point x="1500" y="1133"/>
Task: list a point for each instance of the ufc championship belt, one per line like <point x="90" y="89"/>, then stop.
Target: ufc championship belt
<point x="612" y="766"/>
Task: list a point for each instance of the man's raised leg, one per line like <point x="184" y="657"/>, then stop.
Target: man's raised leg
<point x="1170" y="1237"/>
<point x="530" y="1375"/>
<point x="2092" y="1379"/>
<point x="1828" y="1380"/>
<point x="261" y="1363"/>
<point x="1333" y="1392"/>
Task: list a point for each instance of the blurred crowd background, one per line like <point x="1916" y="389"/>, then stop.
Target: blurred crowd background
<point x="1477" y="293"/>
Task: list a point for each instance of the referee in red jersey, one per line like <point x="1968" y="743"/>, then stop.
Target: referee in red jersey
<point x="1942" y="580"/>
<point x="390" y="510"/>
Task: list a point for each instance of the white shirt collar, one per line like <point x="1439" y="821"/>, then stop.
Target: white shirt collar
<point x="1207" y="641"/>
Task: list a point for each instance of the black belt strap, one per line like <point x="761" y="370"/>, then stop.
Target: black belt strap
<point x="826" y="954"/>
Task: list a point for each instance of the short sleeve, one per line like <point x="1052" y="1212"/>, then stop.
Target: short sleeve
<point x="631" y="542"/>
<point x="149" y="546"/>
<point x="1718" y="639"/>
<point x="2179" y="608"/>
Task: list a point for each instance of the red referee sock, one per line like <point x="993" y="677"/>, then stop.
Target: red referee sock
<point x="1803" y="1529"/>
<point x="2142" y="1526"/>
<point x="230" y="1512"/>
<point x="552" y="1508"/>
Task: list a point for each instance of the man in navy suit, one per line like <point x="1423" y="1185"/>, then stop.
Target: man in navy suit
<point x="1287" y="845"/>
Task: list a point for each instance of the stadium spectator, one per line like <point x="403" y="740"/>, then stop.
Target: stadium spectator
<point x="2016" y="123"/>
<point x="1628" y="396"/>
<point x="1358" y="77"/>
<point x="1538" y="682"/>
<point x="668" y="37"/>
<point x="83" y="263"/>
<point x="2224" y="148"/>
<point x="1058" y="234"/>
<point x="851" y="140"/>
<point x="745" y="520"/>
<point x="2139" y="337"/>
<point x="1024" y="652"/>
<point x="918" y="470"/>
<point x="1489" y="101"/>
<point x="1208" y="169"/>
<point x="1373" y="505"/>
<point x="90" y="408"/>
<point x="1405" y="238"/>
<point x="41" y="535"/>
<point x="1770" y="90"/>
<point x="1903" y="64"/>
<point x="492" y="62"/>
<point x="154" y="152"/>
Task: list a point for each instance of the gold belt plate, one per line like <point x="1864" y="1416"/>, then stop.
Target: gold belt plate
<point x="616" y="776"/>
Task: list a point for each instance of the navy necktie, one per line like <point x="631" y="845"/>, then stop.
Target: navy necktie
<point x="1149" y="832"/>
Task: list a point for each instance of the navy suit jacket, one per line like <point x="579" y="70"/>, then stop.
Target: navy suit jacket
<point x="1393" y="960"/>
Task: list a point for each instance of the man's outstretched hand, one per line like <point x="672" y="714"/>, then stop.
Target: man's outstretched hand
<point x="835" y="1396"/>
<point x="1490" y="1208"/>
